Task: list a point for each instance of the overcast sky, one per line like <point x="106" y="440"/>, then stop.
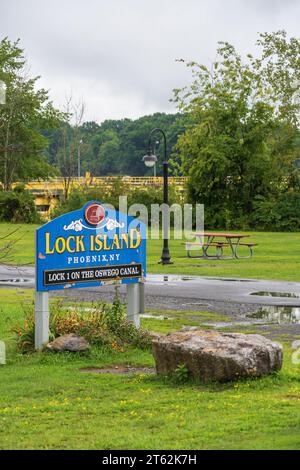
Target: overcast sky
<point x="119" y="55"/>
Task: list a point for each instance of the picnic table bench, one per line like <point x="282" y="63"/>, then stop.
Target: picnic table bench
<point x="208" y="240"/>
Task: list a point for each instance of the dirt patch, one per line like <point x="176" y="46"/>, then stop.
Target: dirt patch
<point x="119" y="369"/>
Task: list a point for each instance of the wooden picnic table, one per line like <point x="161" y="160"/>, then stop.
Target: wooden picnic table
<point x="219" y="241"/>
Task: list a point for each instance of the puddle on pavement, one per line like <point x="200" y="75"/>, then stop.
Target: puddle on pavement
<point x="170" y="278"/>
<point x="280" y="315"/>
<point x="156" y="317"/>
<point x="177" y="278"/>
<point x="229" y="279"/>
<point x="289" y="295"/>
<point x="229" y="324"/>
<point x="174" y="278"/>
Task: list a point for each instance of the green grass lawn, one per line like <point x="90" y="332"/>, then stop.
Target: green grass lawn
<point x="277" y="256"/>
<point x="47" y="403"/>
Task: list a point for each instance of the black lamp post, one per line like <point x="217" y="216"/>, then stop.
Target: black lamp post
<point x="150" y="160"/>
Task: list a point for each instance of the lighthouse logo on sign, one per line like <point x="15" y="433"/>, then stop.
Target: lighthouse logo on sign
<point x="94" y="214"/>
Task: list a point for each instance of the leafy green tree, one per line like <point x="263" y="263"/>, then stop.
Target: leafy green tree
<point x="26" y="111"/>
<point x="242" y="129"/>
<point x="109" y="153"/>
<point x="17" y="206"/>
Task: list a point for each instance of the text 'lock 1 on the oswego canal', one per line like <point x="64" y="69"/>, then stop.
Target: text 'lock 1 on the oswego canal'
<point x="89" y="247"/>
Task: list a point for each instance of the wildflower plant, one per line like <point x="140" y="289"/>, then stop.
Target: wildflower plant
<point x="101" y="324"/>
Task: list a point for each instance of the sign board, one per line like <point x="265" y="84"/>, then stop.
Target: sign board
<point x="90" y="247"/>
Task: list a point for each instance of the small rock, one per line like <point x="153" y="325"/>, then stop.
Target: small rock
<point x="211" y="355"/>
<point x="70" y="342"/>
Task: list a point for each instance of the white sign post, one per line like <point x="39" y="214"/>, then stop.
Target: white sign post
<point x="41" y="319"/>
<point x="135" y="302"/>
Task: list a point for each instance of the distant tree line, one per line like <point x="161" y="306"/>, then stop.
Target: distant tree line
<point x="115" y="147"/>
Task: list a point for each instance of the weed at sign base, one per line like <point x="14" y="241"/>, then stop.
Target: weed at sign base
<point x="103" y="325"/>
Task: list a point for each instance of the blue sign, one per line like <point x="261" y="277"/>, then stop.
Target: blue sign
<point x="90" y="247"/>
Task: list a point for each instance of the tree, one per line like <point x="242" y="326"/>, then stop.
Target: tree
<point x="69" y="142"/>
<point x="242" y="123"/>
<point x="25" y="112"/>
<point x="109" y="153"/>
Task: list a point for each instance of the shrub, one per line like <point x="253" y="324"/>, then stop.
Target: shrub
<point x="125" y="331"/>
<point x="102" y="325"/>
<point x="181" y="374"/>
<point x="24" y="333"/>
<point x="17" y="206"/>
<point x="89" y="324"/>
<point x="80" y="196"/>
<point x="282" y="214"/>
<point x="145" y="195"/>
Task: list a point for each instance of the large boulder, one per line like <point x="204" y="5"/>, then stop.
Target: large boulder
<point x="70" y="342"/>
<point x="211" y="355"/>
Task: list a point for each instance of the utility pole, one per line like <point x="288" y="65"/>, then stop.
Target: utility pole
<point x="78" y="159"/>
